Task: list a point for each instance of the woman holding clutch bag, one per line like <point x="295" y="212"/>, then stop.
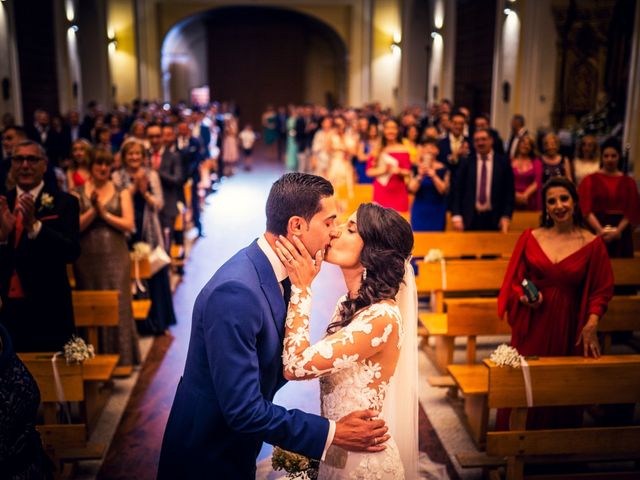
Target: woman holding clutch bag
<point x="570" y="268"/>
<point x="144" y="185"/>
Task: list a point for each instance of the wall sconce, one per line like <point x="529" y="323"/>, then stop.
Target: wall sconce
<point x="435" y="34"/>
<point x="74" y="28"/>
<point x="113" y="44"/>
<point x="508" y="11"/>
<point x="396" y="48"/>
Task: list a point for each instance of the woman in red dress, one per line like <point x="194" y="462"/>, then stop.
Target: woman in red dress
<point x="570" y="268"/>
<point x="390" y="170"/>
<point x="610" y="202"/>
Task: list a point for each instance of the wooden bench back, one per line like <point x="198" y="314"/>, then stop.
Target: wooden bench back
<point x="41" y="368"/>
<point x="95" y="308"/>
<point x="487" y="275"/>
<point x="520" y="221"/>
<point x="458" y="244"/>
<point x="557" y="381"/>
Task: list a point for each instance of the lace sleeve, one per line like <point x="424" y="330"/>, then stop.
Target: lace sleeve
<point x="361" y="339"/>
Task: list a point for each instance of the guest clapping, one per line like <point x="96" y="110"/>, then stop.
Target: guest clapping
<point x="391" y="168"/>
<point x="430" y="186"/>
<point x="611" y="203"/>
<point x="144" y="185"/>
<point x="106" y="217"/>
<point x="81" y="156"/>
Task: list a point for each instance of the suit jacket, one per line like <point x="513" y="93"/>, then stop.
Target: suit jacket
<point x="191" y="157"/>
<point x="222" y="411"/>
<point x="514" y="139"/>
<point x="43" y="321"/>
<point x="171" y="177"/>
<point x="502" y="189"/>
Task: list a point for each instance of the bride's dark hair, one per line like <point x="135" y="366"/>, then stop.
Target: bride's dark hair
<point x="388" y="241"/>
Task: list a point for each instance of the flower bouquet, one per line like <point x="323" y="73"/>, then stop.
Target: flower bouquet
<point x="297" y="466"/>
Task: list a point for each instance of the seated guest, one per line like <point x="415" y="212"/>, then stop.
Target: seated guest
<point x="106" y="217"/>
<point x="430" y="186"/>
<point x="527" y="174"/>
<point x="38" y="237"/>
<point x="610" y="202"/>
<point x="553" y="164"/>
<point x="390" y="169"/>
<point x="367" y="147"/>
<point x="81" y="155"/>
<point x="573" y="274"/>
<point x="587" y="158"/>
<point x="483" y="193"/>
<point x="144" y="185"/>
<point x="21" y="453"/>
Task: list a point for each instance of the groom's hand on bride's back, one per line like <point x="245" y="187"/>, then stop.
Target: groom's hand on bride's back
<point x="361" y="431"/>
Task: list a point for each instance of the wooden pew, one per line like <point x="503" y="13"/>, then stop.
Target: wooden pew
<point x="564" y="381"/>
<point x="62" y="442"/>
<point x="481" y="276"/>
<point x="458" y="244"/>
<point x="472" y="379"/>
<point x="520" y="221"/>
<point x="141" y="307"/>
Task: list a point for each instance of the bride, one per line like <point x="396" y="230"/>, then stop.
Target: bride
<point x="368" y="359"/>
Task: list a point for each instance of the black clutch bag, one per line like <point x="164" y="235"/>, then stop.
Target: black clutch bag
<point x="530" y="291"/>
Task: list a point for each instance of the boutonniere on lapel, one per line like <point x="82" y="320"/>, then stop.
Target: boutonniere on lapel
<point x="46" y="202"/>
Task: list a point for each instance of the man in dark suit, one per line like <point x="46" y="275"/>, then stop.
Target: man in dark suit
<point x="189" y="148"/>
<point x="39" y="235"/>
<point x="306" y="126"/>
<point x="223" y="409"/>
<point x="482" y="122"/>
<point x="169" y="168"/>
<point x="518" y="130"/>
<point x="454" y="148"/>
<point x="484" y="197"/>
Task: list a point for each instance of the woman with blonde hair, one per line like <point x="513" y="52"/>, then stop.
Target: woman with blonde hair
<point x="587" y="158"/>
<point x="82" y="155"/>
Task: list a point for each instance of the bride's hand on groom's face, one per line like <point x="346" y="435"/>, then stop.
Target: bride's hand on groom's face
<point x="361" y="431"/>
<point x="302" y="268"/>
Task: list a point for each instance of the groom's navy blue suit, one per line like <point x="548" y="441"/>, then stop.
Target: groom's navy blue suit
<point x="222" y="411"/>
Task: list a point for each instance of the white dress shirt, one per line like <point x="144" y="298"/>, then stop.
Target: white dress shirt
<point x="34" y="192"/>
<point x="281" y="273"/>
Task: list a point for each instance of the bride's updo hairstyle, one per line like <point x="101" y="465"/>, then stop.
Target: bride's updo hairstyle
<point x="388" y="241"/>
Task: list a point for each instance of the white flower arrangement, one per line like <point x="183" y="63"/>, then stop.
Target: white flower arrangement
<point x="46" y="201"/>
<point x="141" y="250"/>
<point x="506" y="356"/>
<point x="77" y="351"/>
<point x="434" y="255"/>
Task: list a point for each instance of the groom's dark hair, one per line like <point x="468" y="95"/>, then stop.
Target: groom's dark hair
<point x="295" y="194"/>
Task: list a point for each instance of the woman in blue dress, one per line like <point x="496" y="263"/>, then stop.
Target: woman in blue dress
<point x="368" y="147"/>
<point x="430" y="187"/>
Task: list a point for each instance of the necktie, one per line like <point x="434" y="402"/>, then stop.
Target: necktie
<point x="15" y="287"/>
<point x="156" y="160"/>
<point x="482" y="195"/>
<point x="286" y="286"/>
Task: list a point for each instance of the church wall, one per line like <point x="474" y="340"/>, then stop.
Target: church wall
<point x="122" y="53"/>
<point x="385" y="63"/>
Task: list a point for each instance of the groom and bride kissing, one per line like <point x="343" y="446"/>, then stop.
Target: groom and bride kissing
<point x="250" y="334"/>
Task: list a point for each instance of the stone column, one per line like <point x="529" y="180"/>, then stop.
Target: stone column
<point x="10" y="97"/>
<point x="631" y="136"/>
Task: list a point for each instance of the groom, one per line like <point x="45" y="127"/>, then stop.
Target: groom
<point x="223" y="409"/>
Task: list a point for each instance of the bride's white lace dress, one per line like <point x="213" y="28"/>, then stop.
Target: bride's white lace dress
<point x="355" y="365"/>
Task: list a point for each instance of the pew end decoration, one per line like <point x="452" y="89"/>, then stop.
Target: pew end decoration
<point x="77" y="351"/>
<point x="506" y="356"/>
<point x="297" y="466"/>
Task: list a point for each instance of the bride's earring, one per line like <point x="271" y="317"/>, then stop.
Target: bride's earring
<point x="364" y="274"/>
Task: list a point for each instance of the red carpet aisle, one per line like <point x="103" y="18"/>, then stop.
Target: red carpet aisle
<point x="233" y="218"/>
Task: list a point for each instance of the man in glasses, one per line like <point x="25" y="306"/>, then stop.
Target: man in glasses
<point x="39" y="231"/>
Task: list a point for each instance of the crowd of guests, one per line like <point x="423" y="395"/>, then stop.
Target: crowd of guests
<point x="87" y="193"/>
<point x="452" y="161"/>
